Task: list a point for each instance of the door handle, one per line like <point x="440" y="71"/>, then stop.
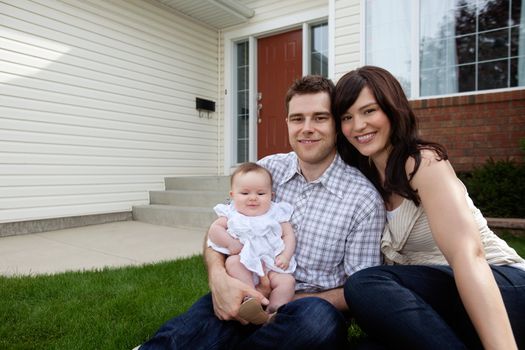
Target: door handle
<point x="259" y="107"/>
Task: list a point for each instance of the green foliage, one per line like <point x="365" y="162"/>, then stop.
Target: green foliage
<point x="498" y="188"/>
<point x="522" y="144"/>
<point x="515" y="240"/>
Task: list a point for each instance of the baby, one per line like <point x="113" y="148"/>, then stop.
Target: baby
<point x="256" y="234"/>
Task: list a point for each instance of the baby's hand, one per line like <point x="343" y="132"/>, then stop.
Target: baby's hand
<point x="235" y="247"/>
<point x="282" y="262"/>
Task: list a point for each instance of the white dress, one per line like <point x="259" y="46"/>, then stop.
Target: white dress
<point x="261" y="236"/>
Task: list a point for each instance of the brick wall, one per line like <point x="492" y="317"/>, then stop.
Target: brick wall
<point x="475" y="127"/>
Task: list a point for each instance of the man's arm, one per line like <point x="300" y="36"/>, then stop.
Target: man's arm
<point x="227" y="292"/>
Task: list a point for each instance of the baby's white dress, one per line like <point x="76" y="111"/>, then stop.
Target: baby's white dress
<point x="261" y="236"/>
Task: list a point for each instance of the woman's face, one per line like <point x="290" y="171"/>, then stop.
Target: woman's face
<point x="366" y="126"/>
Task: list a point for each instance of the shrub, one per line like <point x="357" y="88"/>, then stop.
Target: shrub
<point x="498" y="188"/>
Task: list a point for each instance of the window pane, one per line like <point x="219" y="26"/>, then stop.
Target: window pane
<point x="437" y="82"/>
<point x="514" y="73"/>
<point x="493" y="14"/>
<point x="242" y="104"/>
<point x="242" y="78"/>
<point x="515" y="41"/>
<point x="319" y="46"/>
<point x="242" y="93"/>
<point x="486" y="41"/>
<point x="242" y="127"/>
<point x="493" y="45"/>
<point x="242" y="151"/>
<point x="466" y="49"/>
<point x="493" y="75"/>
<point x="466" y="19"/>
<point x="387" y="38"/>
<point x="516" y="13"/>
<point x="467" y="78"/>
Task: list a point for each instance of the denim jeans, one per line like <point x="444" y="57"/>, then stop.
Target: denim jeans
<point x="307" y="323"/>
<point x="418" y="307"/>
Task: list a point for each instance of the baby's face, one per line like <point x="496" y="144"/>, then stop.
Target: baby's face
<point x="252" y="193"/>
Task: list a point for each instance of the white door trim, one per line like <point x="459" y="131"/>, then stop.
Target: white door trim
<point x="251" y="33"/>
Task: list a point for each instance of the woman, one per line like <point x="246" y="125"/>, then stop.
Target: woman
<point x="449" y="282"/>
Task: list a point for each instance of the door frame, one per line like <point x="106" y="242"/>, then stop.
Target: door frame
<point x="251" y="33"/>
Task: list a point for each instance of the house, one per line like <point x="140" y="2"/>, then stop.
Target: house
<point x="101" y="100"/>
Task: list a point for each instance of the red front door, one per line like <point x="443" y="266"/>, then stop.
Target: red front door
<point x="279" y="63"/>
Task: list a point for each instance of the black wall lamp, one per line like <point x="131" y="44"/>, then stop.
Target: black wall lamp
<point x="205" y="107"/>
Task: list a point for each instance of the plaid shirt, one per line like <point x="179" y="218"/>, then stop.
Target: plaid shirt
<point x="338" y="220"/>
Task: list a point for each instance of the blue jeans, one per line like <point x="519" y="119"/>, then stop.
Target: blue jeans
<point x="418" y="307"/>
<point x="307" y="323"/>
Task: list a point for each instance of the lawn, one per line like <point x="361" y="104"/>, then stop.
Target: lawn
<point x="106" y="309"/>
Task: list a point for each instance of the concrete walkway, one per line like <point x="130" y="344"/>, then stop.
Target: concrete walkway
<point x="93" y="247"/>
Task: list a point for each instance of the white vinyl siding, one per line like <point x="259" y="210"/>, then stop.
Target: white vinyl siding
<point x="97" y="104"/>
<point x="347" y="41"/>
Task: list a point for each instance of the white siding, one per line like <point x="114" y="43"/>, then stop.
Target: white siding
<point x="347" y="36"/>
<point x="97" y="104"/>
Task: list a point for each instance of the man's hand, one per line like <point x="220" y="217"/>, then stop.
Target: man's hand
<point x="228" y="293"/>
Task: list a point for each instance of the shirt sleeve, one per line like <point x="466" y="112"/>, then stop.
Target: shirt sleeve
<point x="283" y="211"/>
<point x="222" y="210"/>
<point x="363" y="246"/>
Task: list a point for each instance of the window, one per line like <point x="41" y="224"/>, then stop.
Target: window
<point x="319" y="49"/>
<point x="460" y="45"/>
<point x="242" y="110"/>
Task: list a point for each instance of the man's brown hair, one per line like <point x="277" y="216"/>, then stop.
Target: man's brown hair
<point x="309" y="84"/>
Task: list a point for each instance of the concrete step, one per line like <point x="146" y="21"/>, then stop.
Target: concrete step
<point x="198" y="183"/>
<point x="188" y="198"/>
<point x="174" y="215"/>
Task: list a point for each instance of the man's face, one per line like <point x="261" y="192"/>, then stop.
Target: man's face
<point x="311" y="129"/>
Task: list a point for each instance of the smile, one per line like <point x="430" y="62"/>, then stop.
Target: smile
<point x="365" y="138"/>
<point x="307" y="141"/>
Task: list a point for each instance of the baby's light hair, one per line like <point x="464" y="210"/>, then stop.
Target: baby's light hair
<point x="249" y="167"/>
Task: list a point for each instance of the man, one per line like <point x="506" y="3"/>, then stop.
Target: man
<point x="338" y="220"/>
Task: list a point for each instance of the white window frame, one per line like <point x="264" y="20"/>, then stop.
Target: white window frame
<point x="415" y="56"/>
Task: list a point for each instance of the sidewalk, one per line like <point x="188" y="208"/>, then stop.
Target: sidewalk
<point x="96" y="246"/>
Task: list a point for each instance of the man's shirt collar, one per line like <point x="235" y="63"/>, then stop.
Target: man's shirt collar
<point x="330" y="179"/>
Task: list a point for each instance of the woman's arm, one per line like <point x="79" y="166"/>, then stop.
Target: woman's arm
<point x="457" y="236"/>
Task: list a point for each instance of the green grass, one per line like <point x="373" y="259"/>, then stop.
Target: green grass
<point x="515" y="239"/>
<point x="110" y="308"/>
<point x="107" y="309"/>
